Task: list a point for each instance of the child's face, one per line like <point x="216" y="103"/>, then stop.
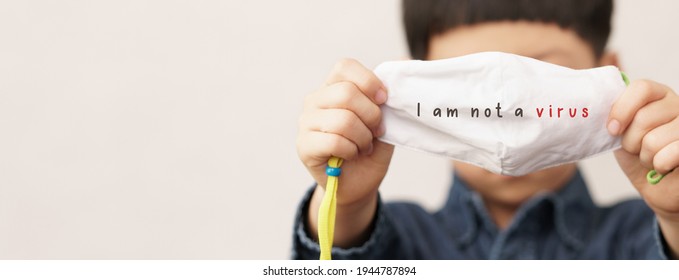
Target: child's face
<point x="546" y="42"/>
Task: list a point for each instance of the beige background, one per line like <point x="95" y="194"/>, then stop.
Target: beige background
<point x="166" y="129"/>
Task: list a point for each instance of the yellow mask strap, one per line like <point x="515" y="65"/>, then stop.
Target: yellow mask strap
<point x="326" y="213"/>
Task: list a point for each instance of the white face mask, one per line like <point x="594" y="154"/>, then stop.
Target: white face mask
<point x="506" y="113"/>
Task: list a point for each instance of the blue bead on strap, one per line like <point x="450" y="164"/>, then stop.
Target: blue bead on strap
<point x="333" y="171"/>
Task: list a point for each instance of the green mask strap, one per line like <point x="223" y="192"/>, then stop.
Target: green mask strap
<point x="652" y="176"/>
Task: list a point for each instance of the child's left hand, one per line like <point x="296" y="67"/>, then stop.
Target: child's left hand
<point x="647" y="118"/>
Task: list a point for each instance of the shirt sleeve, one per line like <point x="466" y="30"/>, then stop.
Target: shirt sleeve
<point x="378" y="245"/>
<point x="643" y="238"/>
<point x="663" y="249"/>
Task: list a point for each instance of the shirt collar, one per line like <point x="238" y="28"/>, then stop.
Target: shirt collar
<point x="571" y="207"/>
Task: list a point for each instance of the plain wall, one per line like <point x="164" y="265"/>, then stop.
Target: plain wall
<point x="166" y="129"/>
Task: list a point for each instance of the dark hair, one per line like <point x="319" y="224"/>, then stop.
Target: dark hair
<point x="590" y="19"/>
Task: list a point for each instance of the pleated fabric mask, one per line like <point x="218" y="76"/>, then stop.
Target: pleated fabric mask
<point x="506" y="113"/>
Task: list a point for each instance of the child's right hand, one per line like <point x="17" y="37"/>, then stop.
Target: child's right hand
<point x="343" y="119"/>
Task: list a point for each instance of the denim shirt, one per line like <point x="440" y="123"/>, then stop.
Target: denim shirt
<point x="560" y="225"/>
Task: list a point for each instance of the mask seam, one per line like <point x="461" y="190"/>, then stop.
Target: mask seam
<point x="503" y="137"/>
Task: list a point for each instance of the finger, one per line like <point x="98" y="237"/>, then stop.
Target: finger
<point x="345" y="95"/>
<point x="350" y="70"/>
<point x="667" y="159"/>
<point x="344" y="123"/>
<point x="637" y="95"/>
<point x="649" y="117"/>
<point x="657" y="139"/>
<point x="318" y="147"/>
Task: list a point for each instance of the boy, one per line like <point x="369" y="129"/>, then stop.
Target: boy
<point x="544" y="215"/>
